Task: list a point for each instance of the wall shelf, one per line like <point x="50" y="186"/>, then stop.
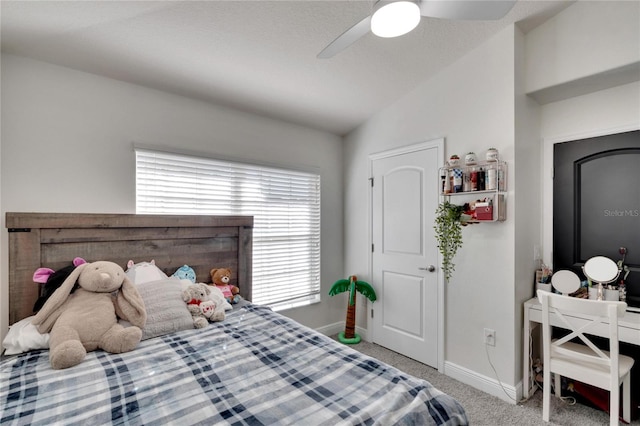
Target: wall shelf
<point x="483" y="182"/>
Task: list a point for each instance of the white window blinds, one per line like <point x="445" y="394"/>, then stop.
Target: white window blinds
<point x="285" y="205"/>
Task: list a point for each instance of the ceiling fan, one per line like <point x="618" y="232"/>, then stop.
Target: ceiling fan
<point x="392" y="18"/>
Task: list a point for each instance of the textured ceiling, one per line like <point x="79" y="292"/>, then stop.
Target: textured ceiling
<point x="256" y="56"/>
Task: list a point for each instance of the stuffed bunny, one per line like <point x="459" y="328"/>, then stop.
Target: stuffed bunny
<point x="86" y="320"/>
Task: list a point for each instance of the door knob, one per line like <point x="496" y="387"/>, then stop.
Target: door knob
<point x="430" y="268"/>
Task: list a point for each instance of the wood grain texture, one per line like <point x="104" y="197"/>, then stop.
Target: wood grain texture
<point x="53" y="240"/>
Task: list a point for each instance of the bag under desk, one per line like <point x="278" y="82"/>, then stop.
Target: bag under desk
<point x="628" y="331"/>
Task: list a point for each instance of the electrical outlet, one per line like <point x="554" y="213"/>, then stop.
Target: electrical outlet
<point x="489" y="337"/>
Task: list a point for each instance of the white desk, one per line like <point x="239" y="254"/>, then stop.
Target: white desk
<point x="628" y="329"/>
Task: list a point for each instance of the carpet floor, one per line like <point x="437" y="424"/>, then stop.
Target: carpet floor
<point x="484" y="409"/>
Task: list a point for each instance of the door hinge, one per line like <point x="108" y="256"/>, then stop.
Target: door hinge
<point x="372" y="248"/>
<point x="371" y="313"/>
<point x="371" y="180"/>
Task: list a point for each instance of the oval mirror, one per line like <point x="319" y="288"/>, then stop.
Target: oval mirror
<point x="600" y="269"/>
<point x="566" y="282"/>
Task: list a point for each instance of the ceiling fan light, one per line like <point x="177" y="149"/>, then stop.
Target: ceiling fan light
<point x="393" y="19"/>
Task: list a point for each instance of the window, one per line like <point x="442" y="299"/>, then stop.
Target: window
<point x="285" y="205"/>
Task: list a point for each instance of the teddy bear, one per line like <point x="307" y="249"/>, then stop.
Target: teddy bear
<point x="220" y="277"/>
<point x="88" y="319"/>
<point x="201" y="308"/>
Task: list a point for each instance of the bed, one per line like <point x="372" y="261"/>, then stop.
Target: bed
<point x="255" y="367"/>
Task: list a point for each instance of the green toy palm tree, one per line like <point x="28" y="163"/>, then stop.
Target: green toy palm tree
<point x="352" y="285"/>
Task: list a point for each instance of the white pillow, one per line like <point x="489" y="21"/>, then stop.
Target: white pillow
<point x="24" y="337"/>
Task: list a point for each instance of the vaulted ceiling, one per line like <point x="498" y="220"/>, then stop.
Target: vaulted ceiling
<point x="255" y="56"/>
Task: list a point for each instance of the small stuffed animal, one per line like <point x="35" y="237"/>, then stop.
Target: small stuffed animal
<point x="185" y="272"/>
<point x="87" y="319"/>
<point x="144" y="272"/>
<point x="220" y="304"/>
<point x="194" y="295"/>
<point x="220" y="277"/>
<point x="52" y="280"/>
<point x="207" y="308"/>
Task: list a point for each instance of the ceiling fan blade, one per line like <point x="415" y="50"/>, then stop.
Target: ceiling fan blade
<point x="346" y="39"/>
<point x="466" y="9"/>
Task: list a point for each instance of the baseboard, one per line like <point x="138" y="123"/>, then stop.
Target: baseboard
<point x="331" y="329"/>
<point x="486" y="384"/>
<point x="337" y="327"/>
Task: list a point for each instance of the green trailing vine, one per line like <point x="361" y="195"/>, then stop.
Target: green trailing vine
<point x="448" y="229"/>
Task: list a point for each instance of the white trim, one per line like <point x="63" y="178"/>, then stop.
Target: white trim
<point x="331" y="329"/>
<point x="338" y="327"/>
<point x="484" y="383"/>
<point x="364" y="333"/>
<point x="136" y="146"/>
<point x="591" y="134"/>
<point x="438" y="143"/>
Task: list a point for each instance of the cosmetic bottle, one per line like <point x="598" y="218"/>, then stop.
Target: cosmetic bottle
<point x="492" y="179"/>
<point x="481" y="180"/>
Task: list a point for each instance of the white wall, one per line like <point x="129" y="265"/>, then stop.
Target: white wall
<point x="67" y="147"/>
<point x="471" y="104"/>
<point x="588" y="38"/>
<point x="527" y="197"/>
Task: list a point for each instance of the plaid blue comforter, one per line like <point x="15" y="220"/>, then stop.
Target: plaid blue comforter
<point x="255" y="368"/>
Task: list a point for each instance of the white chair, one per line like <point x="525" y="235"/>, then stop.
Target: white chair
<point x="587" y="364"/>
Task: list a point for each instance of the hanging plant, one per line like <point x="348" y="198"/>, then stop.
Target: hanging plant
<point x="448" y="227"/>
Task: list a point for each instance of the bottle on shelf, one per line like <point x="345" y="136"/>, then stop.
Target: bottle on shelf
<point x="491" y="179"/>
<point x="457" y="180"/>
<point x="501" y="179"/>
<point x="466" y="181"/>
<point x="474" y="179"/>
<point x="446" y="184"/>
<point x="481" y="179"/>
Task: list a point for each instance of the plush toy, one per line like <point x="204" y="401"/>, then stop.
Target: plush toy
<point x="144" y="272"/>
<point x="185" y="272"/>
<point x="196" y="297"/>
<point x="220" y="304"/>
<point x="87" y="319"/>
<point x="208" y="308"/>
<point x="220" y="277"/>
<point x="52" y="280"/>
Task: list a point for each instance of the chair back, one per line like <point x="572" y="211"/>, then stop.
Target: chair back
<point x="602" y="315"/>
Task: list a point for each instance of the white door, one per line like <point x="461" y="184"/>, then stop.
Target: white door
<point x="405" y="272"/>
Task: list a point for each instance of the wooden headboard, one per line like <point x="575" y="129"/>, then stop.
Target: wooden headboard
<point x="53" y="240"/>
